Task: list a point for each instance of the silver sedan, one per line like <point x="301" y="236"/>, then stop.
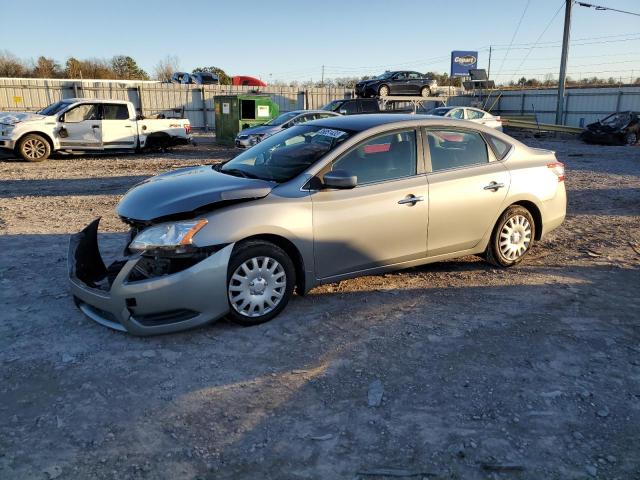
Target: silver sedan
<point x="317" y="203"/>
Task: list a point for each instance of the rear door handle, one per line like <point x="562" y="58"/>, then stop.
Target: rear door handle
<point x="410" y="200"/>
<point x="494" y="186"/>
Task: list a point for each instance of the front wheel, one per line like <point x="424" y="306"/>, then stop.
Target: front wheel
<point x="383" y="91"/>
<point x="34" y="148"/>
<point x="425" y="92"/>
<point x="631" y="138"/>
<point x="512" y="237"/>
<point x="260" y="281"/>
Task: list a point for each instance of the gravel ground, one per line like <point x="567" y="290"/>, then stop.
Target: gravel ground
<point x="452" y="370"/>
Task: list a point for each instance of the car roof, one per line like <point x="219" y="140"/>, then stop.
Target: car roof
<point x="359" y="123"/>
<point x="300" y="112"/>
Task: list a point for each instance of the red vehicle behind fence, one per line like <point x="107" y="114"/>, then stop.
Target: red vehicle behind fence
<point x="248" y="81"/>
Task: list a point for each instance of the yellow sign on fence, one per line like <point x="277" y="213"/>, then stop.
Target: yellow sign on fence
<point x="17" y="99"/>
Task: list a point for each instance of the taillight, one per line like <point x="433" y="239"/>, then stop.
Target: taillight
<point x="187" y="129"/>
<point x="498" y="119"/>
<point x="558" y="169"/>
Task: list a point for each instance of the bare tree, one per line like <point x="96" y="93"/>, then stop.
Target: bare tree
<point x="12" y="66"/>
<point x="46" y="68"/>
<point x="166" y="67"/>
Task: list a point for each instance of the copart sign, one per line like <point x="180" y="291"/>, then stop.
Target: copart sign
<point x="462" y="62"/>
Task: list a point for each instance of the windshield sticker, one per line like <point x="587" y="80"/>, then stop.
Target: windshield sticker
<point x="328" y="132"/>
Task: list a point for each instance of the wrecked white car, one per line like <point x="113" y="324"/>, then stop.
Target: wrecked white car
<point x="77" y="125"/>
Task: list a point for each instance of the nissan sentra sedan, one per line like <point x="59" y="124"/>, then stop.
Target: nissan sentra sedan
<point x="319" y="202"/>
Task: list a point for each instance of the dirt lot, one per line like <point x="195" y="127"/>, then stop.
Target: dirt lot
<point x="532" y="372"/>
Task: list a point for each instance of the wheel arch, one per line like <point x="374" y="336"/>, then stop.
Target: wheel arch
<point x="535" y="212"/>
<point x="290" y="249"/>
<point x="44" y="135"/>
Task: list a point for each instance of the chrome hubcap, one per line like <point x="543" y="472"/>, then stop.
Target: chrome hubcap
<point x="257" y="286"/>
<point x="515" y="237"/>
<point x="34" y="148"/>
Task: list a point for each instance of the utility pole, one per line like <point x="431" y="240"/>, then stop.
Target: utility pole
<point x="322" y="81"/>
<point x="489" y="67"/>
<point x="563" y="61"/>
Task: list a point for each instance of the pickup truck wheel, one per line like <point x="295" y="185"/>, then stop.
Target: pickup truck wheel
<point x="631" y="138"/>
<point x="383" y="91"/>
<point x="34" y="148"/>
<point x="425" y="92"/>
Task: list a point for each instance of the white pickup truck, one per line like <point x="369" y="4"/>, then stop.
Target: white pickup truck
<point x="87" y="125"/>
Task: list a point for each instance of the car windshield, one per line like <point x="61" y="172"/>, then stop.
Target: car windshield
<point x="279" y="120"/>
<point x="384" y="76"/>
<point x="54" y="108"/>
<point x="332" y="106"/>
<point x="441" y="112"/>
<point x="285" y="155"/>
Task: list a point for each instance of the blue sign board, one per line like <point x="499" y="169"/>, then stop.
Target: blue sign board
<point x="462" y="62"/>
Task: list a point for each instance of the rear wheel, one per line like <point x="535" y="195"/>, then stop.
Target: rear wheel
<point x="260" y="282"/>
<point x="425" y="92"/>
<point x="383" y="91"/>
<point x="512" y="237"/>
<point x="34" y="148"/>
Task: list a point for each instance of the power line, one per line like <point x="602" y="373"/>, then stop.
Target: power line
<point x="513" y="37"/>
<point x="574" y="40"/>
<point x="599" y="7"/>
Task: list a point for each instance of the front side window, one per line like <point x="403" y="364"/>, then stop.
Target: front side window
<point x="455" y="149"/>
<point x="115" y="112"/>
<point x="385" y="157"/>
<point x="457" y="113"/>
<point x="348" y="108"/>
<point x="285" y="155"/>
<point x="400" y="76"/>
<point x="82" y="112"/>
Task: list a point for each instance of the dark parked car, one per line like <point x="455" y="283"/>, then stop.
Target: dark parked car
<point x="201" y="78"/>
<point x="621" y="128"/>
<point x="353" y="106"/>
<point x="397" y="83"/>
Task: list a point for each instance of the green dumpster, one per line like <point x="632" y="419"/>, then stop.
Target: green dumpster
<point x="237" y="112"/>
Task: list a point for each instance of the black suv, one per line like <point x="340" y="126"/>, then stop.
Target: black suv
<point x="397" y="83"/>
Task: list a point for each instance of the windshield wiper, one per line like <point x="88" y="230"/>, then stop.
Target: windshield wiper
<point x="236" y="172"/>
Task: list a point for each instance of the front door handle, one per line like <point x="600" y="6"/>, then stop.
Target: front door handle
<point x="494" y="186"/>
<point x="95" y="126"/>
<point x="410" y="200"/>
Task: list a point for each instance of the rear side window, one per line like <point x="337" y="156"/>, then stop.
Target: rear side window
<point x="370" y="106"/>
<point x="500" y="148"/>
<point x="348" y="108"/>
<point x="474" y="114"/>
<point x="455" y="149"/>
<point x="385" y="157"/>
<point x="115" y="112"/>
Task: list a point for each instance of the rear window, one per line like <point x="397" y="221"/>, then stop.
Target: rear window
<point x="499" y="147"/>
<point x="456" y="149"/>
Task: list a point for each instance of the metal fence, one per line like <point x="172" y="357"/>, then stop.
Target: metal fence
<point x="195" y="102"/>
<point x="582" y="105"/>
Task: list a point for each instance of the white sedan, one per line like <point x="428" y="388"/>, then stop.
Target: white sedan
<point x="469" y="113"/>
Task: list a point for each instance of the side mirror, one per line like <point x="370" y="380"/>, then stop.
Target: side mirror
<point x="61" y="118"/>
<point x="340" y="179"/>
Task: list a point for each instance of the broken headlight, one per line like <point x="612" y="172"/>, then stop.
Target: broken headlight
<point x="176" y="236"/>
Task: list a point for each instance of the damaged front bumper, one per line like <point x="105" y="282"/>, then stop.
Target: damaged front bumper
<point x="168" y="303"/>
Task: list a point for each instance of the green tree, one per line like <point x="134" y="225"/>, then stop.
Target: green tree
<point x="224" y="78"/>
<point x="126" y="68"/>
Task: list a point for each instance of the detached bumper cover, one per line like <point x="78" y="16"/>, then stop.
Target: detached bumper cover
<point x="169" y="303"/>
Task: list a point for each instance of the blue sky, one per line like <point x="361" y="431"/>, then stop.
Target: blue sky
<point x="291" y="40"/>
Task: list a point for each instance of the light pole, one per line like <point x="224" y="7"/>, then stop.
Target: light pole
<point x="563" y="61"/>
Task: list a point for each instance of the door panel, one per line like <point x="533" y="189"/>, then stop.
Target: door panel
<point x="83" y="128"/>
<point x="118" y="130"/>
<point x="366" y="227"/>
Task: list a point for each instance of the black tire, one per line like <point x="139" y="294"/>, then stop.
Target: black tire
<point x="381" y="91"/>
<point x="495" y="253"/>
<point x="33" y="148"/>
<point x="631" y="138"/>
<point x="259" y="249"/>
<point x="425" y="92"/>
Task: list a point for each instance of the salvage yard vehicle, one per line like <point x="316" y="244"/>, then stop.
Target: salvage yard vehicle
<point x="316" y="203"/>
<point x="77" y="125"/>
<point x="397" y="83"/>
<point x="621" y="128"/>
<point x="468" y="113"/>
<point x="250" y="136"/>
<point x="353" y="106"/>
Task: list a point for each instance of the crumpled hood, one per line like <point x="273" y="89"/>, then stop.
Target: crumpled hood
<point x="260" y="129"/>
<point x="186" y="190"/>
<point x="11" y="118"/>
